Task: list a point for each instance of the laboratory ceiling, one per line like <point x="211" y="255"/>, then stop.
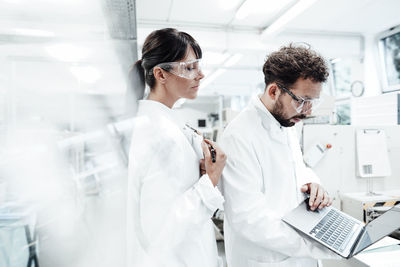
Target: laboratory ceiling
<point x="232" y="32"/>
<point x="235" y="35"/>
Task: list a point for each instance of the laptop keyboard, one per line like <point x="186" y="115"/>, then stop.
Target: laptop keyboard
<point x="333" y="229"/>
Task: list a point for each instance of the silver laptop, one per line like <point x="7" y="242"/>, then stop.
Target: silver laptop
<point x="340" y="232"/>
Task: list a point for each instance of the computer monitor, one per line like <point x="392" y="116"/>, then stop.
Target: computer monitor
<point x="389" y="52"/>
<point x="201" y="123"/>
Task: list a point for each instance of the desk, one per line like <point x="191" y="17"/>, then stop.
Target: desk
<point x="380" y="254"/>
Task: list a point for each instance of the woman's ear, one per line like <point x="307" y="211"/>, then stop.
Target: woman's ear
<point x="159" y="75"/>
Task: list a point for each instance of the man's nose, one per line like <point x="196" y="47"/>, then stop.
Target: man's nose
<point x="306" y="111"/>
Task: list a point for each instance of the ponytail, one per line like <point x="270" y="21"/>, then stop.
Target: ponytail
<point x="135" y="88"/>
<point x="137" y="79"/>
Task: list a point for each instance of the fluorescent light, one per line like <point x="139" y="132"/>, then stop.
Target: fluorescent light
<point x="263" y="7"/>
<point x="228" y="4"/>
<point x="289" y="15"/>
<point x="212" y="77"/>
<point x="228" y="63"/>
<point x="12" y="1"/>
<point x="34" y="32"/>
<point x="67" y="52"/>
<point x="335" y="60"/>
<point x="42" y="1"/>
<point x="243" y="11"/>
<point x="86" y="74"/>
<point x="214" y="58"/>
<point x="233" y="60"/>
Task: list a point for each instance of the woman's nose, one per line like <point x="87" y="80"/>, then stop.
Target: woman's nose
<point x="200" y="75"/>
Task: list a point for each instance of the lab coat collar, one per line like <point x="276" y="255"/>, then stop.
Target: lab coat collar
<point x="269" y="122"/>
<point x="154" y="107"/>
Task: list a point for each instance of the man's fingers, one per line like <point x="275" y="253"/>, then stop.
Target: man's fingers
<point x="319" y="197"/>
<point x="325" y="201"/>
<point x="313" y="194"/>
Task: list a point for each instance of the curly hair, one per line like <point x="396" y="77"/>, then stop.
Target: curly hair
<point x="290" y="63"/>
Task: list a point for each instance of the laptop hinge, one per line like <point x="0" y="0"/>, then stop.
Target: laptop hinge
<point x="353" y="247"/>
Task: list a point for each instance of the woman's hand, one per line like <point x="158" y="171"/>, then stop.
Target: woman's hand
<point x="202" y="167"/>
<point x="213" y="169"/>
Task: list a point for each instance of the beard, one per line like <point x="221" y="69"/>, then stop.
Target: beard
<point x="278" y="113"/>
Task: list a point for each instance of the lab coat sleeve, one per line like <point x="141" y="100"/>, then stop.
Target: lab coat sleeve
<point x="247" y="210"/>
<point x="305" y="174"/>
<point x="168" y="211"/>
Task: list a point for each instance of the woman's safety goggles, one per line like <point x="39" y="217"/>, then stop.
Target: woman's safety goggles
<point x="300" y="104"/>
<point x="188" y="70"/>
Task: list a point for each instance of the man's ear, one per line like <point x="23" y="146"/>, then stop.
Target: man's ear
<point x="272" y="91"/>
<point x="159" y="75"/>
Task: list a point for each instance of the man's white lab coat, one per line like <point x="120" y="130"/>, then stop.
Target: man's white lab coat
<point x="169" y="207"/>
<point x="261" y="182"/>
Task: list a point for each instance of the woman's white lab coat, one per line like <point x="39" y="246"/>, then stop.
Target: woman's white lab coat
<point x="261" y="182"/>
<point x="169" y="205"/>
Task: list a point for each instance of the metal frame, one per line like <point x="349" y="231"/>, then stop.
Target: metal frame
<point x="383" y="74"/>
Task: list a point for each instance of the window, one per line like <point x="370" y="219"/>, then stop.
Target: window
<point x="390" y="56"/>
<point x="344" y="73"/>
<point x="343" y="113"/>
<point x="342" y="77"/>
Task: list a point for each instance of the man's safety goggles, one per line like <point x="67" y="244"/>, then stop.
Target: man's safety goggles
<point x="187" y="70"/>
<point x="300" y="104"/>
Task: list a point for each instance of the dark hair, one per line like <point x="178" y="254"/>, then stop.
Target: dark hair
<point x="291" y="62"/>
<point x="165" y="45"/>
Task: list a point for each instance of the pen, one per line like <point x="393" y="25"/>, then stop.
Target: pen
<point x="193" y="129"/>
<point x="212" y="154"/>
<point x="212" y="149"/>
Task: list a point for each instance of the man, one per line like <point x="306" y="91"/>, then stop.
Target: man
<point x="265" y="176"/>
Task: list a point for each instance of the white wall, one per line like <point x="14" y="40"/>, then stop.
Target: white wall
<point x="337" y="169"/>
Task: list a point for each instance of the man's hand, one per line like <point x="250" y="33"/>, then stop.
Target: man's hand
<point x="319" y="198"/>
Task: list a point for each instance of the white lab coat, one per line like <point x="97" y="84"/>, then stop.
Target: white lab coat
<point x="261" y="182"/>
<point x="169" y="205"/>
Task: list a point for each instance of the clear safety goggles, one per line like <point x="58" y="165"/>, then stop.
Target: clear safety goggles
<point x="300" y="104"/>
<point x="188" y="70"/>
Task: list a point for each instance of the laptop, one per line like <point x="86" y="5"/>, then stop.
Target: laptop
<point x="341" y="233"/>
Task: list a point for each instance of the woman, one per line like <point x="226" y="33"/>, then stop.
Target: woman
<point x="171" y="192"/>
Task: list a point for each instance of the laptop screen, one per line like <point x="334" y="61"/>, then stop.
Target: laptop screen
<point x="377" y="229"/>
